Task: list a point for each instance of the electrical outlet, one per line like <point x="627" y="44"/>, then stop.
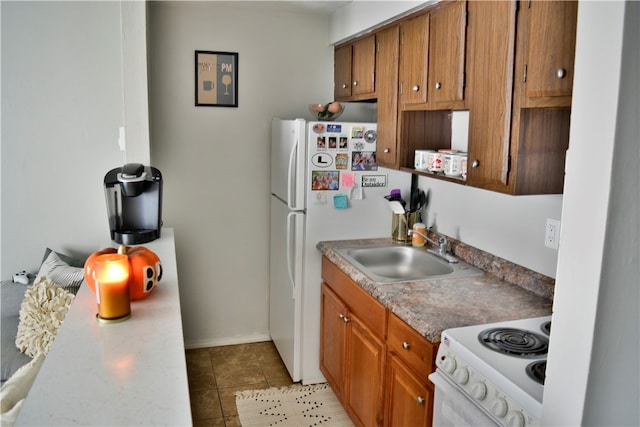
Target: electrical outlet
<point x="552" y="233"/>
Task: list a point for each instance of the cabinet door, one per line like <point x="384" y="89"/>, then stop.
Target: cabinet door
<point x="414" y="45"/>
<point x="387" y="42"/>
<point x="365" y="375"/>
<point x="409" y="400"/>
<point x="333" y="340"/>
<point x="342" y="72"/>
<point x="551" y="48"/>
<point x="363" y="66"/>
<point x="490" y="89"/>
<point x="447" y="39"/>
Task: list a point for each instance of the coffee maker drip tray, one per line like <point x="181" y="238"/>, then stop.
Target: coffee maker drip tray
<point x="135" y="237"/>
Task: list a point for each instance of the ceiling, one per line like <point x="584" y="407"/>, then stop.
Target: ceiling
<point x="324" y="7"/>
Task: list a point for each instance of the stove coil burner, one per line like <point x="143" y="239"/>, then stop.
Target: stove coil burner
<point x="515" y="342"/>
<point x="536" y="371"/>
<point x="546" y="327"/>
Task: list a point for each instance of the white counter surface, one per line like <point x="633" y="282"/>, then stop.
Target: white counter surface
<point x="125" y="374"/>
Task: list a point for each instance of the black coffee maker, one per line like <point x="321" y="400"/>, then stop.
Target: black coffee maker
<point x="134" y="203"/>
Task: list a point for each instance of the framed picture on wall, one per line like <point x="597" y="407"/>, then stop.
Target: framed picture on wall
<point x="216" y="79"/>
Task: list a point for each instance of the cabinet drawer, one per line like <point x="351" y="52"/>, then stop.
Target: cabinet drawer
<point x="369" y="311"/>
<point x="418" y="352"/>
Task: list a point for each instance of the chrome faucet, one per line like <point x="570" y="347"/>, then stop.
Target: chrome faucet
<point x="441" y="244"/>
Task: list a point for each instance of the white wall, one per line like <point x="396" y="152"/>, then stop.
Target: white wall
<point x="61" y="110"/>
<point x="215" y="161"/>
<point x="593" y="373"/>
<point x="360" y="16"/>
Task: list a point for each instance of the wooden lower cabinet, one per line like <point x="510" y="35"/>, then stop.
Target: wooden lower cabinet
<point x="409" y="399"/>
<point x="364" y="375"/>
<point x="333" y="341"/>
<point x="352" y="359"/>
<point x="376" y="363"/>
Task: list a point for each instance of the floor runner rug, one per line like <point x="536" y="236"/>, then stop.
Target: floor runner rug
<point x="312" y="405"/>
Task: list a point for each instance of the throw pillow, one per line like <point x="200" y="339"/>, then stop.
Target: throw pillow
<point x="43" y="309"/>
<point x="60" y="272"/>
<point x="11" y="295"/>
<point x="72" y="261"/>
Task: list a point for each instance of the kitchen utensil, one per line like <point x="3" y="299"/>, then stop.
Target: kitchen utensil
<point x="414" y="188"/>
<point x="396" y="207"/>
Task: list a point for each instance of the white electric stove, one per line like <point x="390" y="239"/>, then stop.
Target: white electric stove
<point x="498" y="367"/>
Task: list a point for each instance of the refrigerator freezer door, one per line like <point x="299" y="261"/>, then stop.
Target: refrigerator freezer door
<point x="285" y="278"/>
<point x="288" y="161"/>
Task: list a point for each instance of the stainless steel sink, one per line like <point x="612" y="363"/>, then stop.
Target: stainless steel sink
<point x="391" y="263"/>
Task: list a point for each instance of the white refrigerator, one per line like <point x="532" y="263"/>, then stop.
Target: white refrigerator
<point x="325" y="185"/>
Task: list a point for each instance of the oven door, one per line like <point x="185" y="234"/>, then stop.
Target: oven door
<point x="451" y="408"/>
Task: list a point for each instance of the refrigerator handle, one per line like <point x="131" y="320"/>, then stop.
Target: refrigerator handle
<point x="291" y="205"/>
<point x="290" y="217"/>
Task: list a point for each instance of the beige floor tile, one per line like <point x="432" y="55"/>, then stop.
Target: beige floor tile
<point x="200" y="369"/>
<point x="217" y="373"/>
<point x="205" y="404"/>
<point x="213" y="422"/>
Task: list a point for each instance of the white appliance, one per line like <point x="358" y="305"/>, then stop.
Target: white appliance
<point x="317" y="173"/>
<point x="491" y="374"/>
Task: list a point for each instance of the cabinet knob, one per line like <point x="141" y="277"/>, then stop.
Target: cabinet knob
<point x="344" y="85"/>
<point x="475" y="164"/>
<point x="438" y="85"/>
<point x="345" y="319"/>
<point x="416" y="88"/>
<point x="420" y="400"/>
<point x="386" y="150"/>
<point x="405" y="345"/>
<point x="561" y="73"/>
<point x="355" y="83"/>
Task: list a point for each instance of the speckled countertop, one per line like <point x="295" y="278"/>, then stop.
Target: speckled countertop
<point x="505" y="292"/>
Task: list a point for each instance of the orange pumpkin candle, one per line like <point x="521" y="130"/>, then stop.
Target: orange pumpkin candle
<point x="111" y="276"/>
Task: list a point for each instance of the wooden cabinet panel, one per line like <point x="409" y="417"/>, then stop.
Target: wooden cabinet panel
<point x="551" y="41"/>
<point x="352" y="349"/>
<point x="333" y="342"/>
<point x="410" y="401"/>
<point x="370" y="311"/>
<point x="447" y="41"/>
<point x="363" y="66"/>
<point x="387" y="56"/>
<point x="414" y="45"/>
<point x="365" y="375"/>
<point x="354" y="70"/>
<point x="490" y="92"/>
<point x="342" y="72"/>
<point x="413" y="348"/>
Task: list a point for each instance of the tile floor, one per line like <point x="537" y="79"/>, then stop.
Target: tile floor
<point x="216" y="373"/>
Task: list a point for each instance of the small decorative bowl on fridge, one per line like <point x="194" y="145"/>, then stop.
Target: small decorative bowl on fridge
<point x="327" y="112"/>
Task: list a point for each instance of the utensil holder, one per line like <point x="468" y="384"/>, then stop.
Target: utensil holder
<point x="401" y="224"/>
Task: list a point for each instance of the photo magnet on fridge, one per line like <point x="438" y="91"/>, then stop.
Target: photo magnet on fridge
<point x="325" y="180"/>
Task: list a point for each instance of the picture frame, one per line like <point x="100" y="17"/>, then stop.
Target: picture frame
<point x="216" y="79"/>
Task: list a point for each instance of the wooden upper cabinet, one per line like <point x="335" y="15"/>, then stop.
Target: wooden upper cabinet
<point x="548" y="48"/>
<point x="447" y="41"/>
<point x="342" y="72"/>
<point x="354" y="70"/>
<point x="414" y="46"/>
<point x="363" y="66"/>
<point x="490" y="89"/>
<point x="387" y="50"/>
